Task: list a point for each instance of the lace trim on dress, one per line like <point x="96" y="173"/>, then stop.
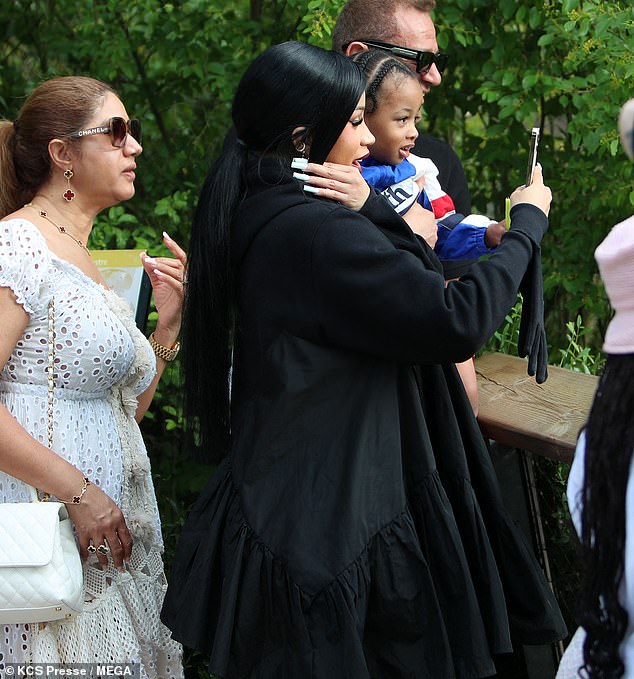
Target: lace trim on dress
<point x="119" y="624"/>
<point x="139" y="504"/>
<point x="16" y="289"/>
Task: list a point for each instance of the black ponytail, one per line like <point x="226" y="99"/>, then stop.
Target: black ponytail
<point x="208" y="317"/>
<point x="288" y="86"/>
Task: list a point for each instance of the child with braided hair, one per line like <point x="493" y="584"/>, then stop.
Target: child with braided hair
<point x="393" y="102"/>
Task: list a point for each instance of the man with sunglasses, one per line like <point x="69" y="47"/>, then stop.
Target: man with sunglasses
<point x="405" y="29"/>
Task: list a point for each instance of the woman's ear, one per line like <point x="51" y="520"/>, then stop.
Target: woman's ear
<point x="60" y="155"/>
<point x="301" y="140"/>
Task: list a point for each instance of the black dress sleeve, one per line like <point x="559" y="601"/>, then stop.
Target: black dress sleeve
<point x="378" y="291"/>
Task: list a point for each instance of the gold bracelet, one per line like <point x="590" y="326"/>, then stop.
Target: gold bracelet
<point x="77" y="498"/>
<point x="163" y="352"/>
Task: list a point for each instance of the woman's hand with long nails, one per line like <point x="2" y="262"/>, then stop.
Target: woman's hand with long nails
<point x="167" y="276"/>
<point x="342" y="183"/>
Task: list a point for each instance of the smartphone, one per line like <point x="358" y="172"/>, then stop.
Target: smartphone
<point x="532" y="155"/>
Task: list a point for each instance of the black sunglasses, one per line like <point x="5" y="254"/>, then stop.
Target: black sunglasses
<point x="424" y="60"/>
<point x="118" y="128"/>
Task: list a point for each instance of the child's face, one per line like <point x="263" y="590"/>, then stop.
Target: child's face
<point x="393" y="123"/>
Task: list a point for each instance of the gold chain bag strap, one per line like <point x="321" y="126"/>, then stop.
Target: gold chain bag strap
<point x="41" y="577"/>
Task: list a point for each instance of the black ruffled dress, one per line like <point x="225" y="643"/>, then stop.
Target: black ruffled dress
<point x="356" y="531"/>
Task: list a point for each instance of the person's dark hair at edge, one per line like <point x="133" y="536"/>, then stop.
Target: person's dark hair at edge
<point x="371" y="20"/>
<point x="288" y="86"/>
<point x="609" y="448"/>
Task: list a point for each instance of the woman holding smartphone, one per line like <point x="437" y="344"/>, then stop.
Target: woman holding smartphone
<point x="353" y="527"/>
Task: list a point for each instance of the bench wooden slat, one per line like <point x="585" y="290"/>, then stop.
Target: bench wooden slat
<point x="541" y="418"/>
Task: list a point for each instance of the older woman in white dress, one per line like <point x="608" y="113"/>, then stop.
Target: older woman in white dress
<point x="70" y="154"/>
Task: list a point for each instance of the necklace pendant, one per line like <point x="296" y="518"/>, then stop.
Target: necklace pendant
<point x="62" y="229"/>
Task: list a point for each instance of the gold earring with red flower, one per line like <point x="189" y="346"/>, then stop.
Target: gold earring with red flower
<point x="69" y="194"/>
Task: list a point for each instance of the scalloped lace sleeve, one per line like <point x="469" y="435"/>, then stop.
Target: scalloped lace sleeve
<point x="24" y="261"/>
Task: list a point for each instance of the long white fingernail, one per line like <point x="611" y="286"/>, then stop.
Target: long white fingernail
<point x="150" y="260"/>
<point x="166" y="235"/>
<point x="299" y="163"/>
<point x="310" y="189"/>
<point x="303" y="177"/>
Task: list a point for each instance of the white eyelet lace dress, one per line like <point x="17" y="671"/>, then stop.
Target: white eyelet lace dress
<point x="102" y="363"/>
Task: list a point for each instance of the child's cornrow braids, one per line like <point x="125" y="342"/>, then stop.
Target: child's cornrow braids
<point x="376" y="65"/>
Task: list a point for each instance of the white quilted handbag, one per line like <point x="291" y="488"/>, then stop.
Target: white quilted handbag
<point x="41" y="576"/>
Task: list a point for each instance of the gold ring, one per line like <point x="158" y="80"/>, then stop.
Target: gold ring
<point x="102" y="549"/>
<point x="91" y="549"/>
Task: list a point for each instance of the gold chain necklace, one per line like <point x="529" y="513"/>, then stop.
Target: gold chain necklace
<point x="61" y="229"/>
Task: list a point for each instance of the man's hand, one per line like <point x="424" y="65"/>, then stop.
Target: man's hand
<point x="422" y="223"/>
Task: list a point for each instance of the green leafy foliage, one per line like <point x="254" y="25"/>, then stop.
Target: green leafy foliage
<point x="568" y="67"/>
<point x="506" y="338"/>
<point x="577" y="356"/>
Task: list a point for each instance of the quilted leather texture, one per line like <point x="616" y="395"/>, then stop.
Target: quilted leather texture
<point x="41" y="576"/>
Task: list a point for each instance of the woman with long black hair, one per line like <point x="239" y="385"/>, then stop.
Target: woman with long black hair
<point x="354" y="527"/>
<point x="600" y="491"/>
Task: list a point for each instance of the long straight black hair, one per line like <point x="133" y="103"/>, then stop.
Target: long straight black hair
<point x="609" y="449"/>
<point x="289" y="86"/>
